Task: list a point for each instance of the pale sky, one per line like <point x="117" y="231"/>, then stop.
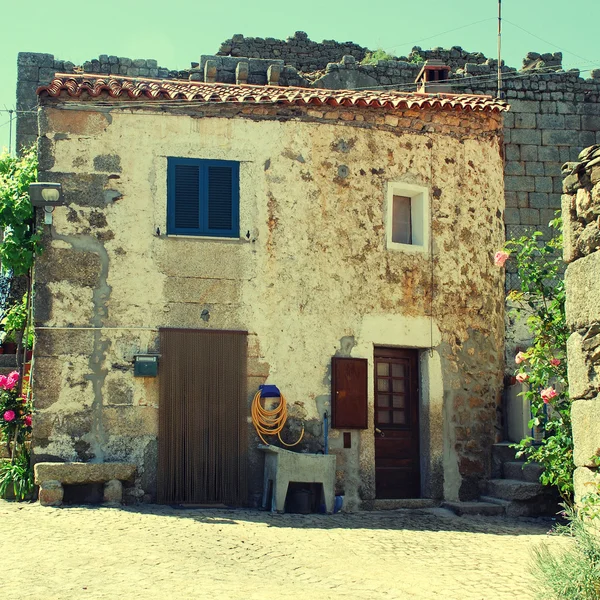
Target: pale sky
<point x="179" y="31"/>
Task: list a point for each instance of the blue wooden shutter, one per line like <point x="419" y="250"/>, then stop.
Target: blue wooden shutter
<point x="220" y="199"/>
<point x="187" y="197"/>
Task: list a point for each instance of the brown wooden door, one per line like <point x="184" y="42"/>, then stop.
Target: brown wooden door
<point x="202" y="436"/>
<point x="397" y="473"/>
<point x="349" y="402"/>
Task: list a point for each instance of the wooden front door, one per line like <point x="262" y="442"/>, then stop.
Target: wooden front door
<point x="202" y="435"/>
<point x="397" y="473"/>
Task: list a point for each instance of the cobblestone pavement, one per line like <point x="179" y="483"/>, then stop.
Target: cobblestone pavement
<point x="161" y="552"/>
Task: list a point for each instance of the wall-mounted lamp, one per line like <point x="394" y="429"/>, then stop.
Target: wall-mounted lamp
<point x="47" y="195"/>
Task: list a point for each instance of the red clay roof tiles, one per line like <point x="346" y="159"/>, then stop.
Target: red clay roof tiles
<point x="198" y="92"/>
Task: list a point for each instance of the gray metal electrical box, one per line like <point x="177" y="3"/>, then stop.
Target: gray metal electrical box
<point x="145" y="365"/>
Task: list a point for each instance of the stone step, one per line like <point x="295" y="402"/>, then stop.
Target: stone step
<point x="393" y="504"/>
<point x="487" y="509"/>
<point x="523" y="472"/>
<point x="502" y="452"/>
<point x="513" y="489"/>
<point x="515" y="508"/>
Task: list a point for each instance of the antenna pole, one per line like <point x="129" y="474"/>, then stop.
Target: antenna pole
<point x="10" y="112"/>
<point x="499" y="48"/>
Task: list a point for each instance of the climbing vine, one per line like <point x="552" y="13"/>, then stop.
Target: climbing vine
<point x="21" y="241"/>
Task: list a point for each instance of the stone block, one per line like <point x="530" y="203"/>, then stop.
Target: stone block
<point x="35" y="59"/>
<point x="547" y="215"/>
<point x="553" y="169"/>
<point x="51" y="493"/>
<point x="529" y="153"/>
<point x="585" y="418"/>
<point x="525" y="106"/>
<point x="548" y="153"/>
<point x="585" y="482"/>
<point x="566" y="108"/>
<point x="525" y="120"/>
<point x="583" y="300"/>
<point x="560" y="138"/>
<point x="510" y="199"/>
<point x="113" y="492"/>
<point x="551" y="121"/>
<point x="130" y="421"/>
<point x="519" y="184"/>
<point x="538" y="200"/>
<point x="28" y="73"/>
<point x="514" y="168"/>
<point x="512" y="152"/>
<point x="572" y="122"/>
<point x="584" y="373"/>
<point x="529" y="216"/>
<point x="80" y="473"/>
<point x="526" y="136"/>
<point x="543" y="184"/>
<point x="587" y="138"/>
<point x="534" y="168"/>
<point x="587" y="108"/>
<point x="512" y="216"/>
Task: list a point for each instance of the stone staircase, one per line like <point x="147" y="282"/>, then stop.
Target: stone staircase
<point x="513" y="491"/>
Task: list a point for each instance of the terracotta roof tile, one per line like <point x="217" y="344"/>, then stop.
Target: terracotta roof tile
<point x="199" y="92"/>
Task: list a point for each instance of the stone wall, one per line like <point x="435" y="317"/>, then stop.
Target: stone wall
<point x="297" y="51"/>
<point x="554" y="114"/>
<point x="314" y="278"/>
<point x="581" y="222"/>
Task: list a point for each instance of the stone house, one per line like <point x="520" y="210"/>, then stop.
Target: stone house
<point x="249" y="234"/>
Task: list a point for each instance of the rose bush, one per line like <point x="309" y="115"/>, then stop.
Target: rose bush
<point x="15" y="430"/>
<point x="540" y="300"/>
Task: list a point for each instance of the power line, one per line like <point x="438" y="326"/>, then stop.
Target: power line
<point x="547" y="42"/>
<point x="442" y="33"/>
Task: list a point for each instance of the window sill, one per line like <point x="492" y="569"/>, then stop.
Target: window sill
<point x="411" y="248"/>
<point x="204" y="238"/>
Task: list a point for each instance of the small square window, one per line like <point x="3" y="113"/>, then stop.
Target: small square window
<point x="407" y="218"/>
<point x="202" y="197"/>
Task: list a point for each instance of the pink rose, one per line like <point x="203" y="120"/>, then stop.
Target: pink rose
<point x="554" y="362"/>
<point x="547" y="394"/>
<point x="10" y="384"/>
<point x="500" y="258"/>
<point x="520" y="357"/>
<point x="3" y="381"/>
<point x="521" y="377"/>
<point x="9" y="416"/>
<point x="27" y="420"/>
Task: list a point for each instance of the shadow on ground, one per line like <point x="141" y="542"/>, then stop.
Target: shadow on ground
<point x="426" y="520"/>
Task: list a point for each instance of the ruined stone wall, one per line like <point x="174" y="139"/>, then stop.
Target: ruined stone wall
<point x="312" y="279"/>
<point x="581" y="214"/>
<point x="297" y="51"/>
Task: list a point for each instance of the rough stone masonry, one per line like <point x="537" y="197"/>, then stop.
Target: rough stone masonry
<point x="581" y="216"/>
<point x="554" y="113"/>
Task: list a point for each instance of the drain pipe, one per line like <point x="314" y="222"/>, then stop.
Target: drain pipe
<point x="326" y="431"/>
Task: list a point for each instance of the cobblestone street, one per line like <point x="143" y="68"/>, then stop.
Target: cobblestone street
<point x="160" y="552"/>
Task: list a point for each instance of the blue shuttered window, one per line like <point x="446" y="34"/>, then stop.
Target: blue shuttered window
<point x="203" y="197"/>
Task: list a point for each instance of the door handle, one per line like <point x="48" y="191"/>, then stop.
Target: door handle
<point x="377" y="430"/>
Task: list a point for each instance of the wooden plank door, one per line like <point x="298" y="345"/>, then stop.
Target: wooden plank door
<point x="397" y="470"/>
<point x="202" y="437"/>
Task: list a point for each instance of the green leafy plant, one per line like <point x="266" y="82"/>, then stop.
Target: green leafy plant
<point x="371" y="58"/>
<point x="16" y="476"/>
<point x="21" y="241"/>
<point x="573" y="574"/>
<point x="540" y="300"/>
<point x="415" y="58"/>
<point x="16" y="317"/>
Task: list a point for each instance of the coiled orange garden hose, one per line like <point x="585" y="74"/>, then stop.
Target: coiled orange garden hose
<point x="271" y="422"/>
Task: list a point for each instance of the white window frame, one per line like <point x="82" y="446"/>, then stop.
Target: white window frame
<point x="420" y="219"/>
